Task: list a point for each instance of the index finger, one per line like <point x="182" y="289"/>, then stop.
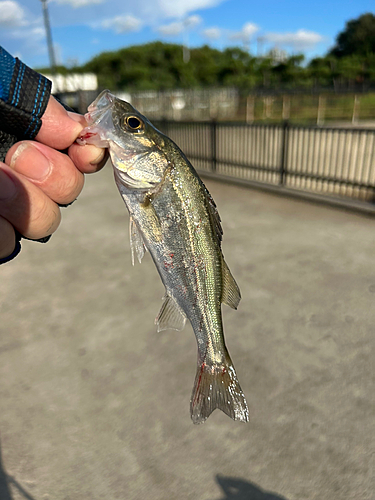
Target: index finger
<point x="60" y="128"/>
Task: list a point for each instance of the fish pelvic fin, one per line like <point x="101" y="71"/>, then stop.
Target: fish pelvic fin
<point x="136" y="241"/>
<point x="217" y="387"/>
<point x="170" y="315"/>
<point x="231" y="294"/>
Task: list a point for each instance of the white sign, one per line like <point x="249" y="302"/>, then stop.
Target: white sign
<point x="73" y="82"/>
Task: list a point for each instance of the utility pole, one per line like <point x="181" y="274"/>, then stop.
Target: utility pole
<point x="185" y="46"/>
<point x="51" y="53"/>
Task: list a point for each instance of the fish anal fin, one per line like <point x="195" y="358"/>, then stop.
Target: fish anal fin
<point x="136" y="241"/>
<point x="230" y="294"/>
<point x="170" y="315"/>
<point x="217" y="387"/>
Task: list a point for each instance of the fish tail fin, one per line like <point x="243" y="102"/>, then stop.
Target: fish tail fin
<point x="217" y="386"/>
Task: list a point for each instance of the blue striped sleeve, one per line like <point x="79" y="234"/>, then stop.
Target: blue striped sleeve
<point x="7" y="63"/>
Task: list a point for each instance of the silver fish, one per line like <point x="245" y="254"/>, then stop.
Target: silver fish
<point x="173" y="216"/>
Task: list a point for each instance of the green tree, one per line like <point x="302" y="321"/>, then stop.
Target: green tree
<point x="320" y="71"/>
<point x="107" y="68"/>
<point x="369" y="69"/>
<point x="358" y="37"/>
<point x="263" y="71"/>
<point x="205" y="64"/>
<point x="290" y="72"/>
<point x="154" y="65"/>
<point x="350" y="69"/>
<point x="62" y="70"/>
<point x="161" y="66"/>
<point x="236" y="68"/>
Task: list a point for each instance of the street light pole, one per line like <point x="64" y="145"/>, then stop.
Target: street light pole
<point x="51" y="53"/>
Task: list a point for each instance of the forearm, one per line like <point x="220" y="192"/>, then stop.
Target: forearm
<point x="24" y="96"/>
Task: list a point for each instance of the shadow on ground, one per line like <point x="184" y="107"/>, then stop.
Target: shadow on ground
<point x="6" y="480"/>
<point x="4" y="488"/>
<point x="238" y="489"/>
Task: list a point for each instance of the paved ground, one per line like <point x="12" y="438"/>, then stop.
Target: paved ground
<point x="95" y="403"/>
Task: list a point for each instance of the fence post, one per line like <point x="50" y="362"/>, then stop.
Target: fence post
<point x="355" y="110"/>
<point x="286" y="107"/>
<point x="213" y="145"/>
<point x="284" y="152"/>
<point x="321" y="110"/>
<point x="250" y="108"/>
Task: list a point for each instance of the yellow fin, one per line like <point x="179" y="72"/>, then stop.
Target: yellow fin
<point x="230" y="294"/>
<point x="217" y="387"/>
<point x="214" y="216"/>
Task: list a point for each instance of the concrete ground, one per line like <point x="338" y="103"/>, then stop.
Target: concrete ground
<point x="95" y="403"/>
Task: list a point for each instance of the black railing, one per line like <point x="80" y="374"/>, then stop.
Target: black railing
<point x="337" y="161"/>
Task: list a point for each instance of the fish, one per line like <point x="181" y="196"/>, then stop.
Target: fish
<point x="175" y="219"/>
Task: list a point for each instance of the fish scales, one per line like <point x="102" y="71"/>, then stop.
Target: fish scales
<point x="180" y="254"/>
<point x="173" y="216"/>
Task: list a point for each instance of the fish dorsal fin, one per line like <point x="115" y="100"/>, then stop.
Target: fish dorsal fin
<point x="170" y="315"/>
<point x="136" y="241"/>
<point x="230" y="294"/>
<point x="214" y="216"/>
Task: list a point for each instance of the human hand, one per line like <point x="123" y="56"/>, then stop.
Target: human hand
<point x="36" y="177"/>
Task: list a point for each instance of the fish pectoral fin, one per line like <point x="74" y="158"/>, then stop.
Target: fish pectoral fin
<point x="230" y="294"/>
<point x="136" y="241"/>
<point x="170" y="315"/>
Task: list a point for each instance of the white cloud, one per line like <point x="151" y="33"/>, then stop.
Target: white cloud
<point x="30" y="39"/>
<point x="300" y="40"/>
<point x="122" y="24"/>
<point x="178" y="27"/>
<point x="192" y="21"/>
<point x="172" y="29"/>
<point x="79" y="3"/>
<point x="35" y="34"/>
<point x="212" y="33"/>
<point x="247" y="32"/>
<point x="180" y="8"/>
<point x="12" y="15"/>
<point x="249" y="29"/>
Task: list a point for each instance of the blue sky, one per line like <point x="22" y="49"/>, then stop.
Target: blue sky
<point x="83" y="28"/>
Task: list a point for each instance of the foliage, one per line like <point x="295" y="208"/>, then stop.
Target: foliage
<point x="358" y="38"/>
<point x="163" y="66"/>
<point x="62" y="70"/>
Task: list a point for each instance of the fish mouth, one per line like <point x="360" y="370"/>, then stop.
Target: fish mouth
<point x="99" y="121"/>
<point x="99" y="107"/>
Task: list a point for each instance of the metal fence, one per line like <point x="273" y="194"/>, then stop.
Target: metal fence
<point x="333" y="161"/>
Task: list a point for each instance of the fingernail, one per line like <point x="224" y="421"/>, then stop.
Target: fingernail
<point x="26" y="162"/>
<point x="99" y="158"/>
<point x="7" y="187"/>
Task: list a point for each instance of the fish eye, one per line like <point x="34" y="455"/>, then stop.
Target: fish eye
<point x="133" y="122"/>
